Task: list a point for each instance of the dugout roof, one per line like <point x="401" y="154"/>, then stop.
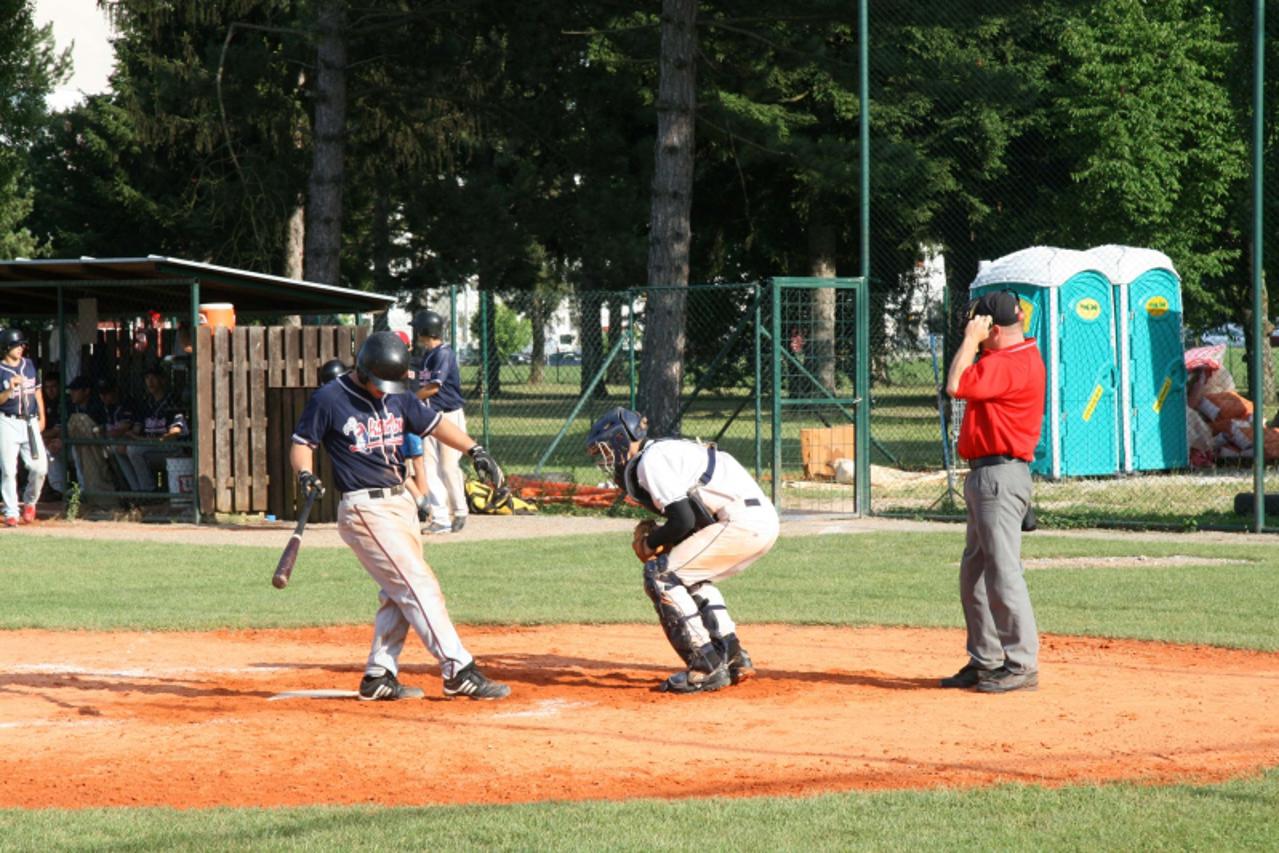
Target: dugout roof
<point x="133" y="286"/>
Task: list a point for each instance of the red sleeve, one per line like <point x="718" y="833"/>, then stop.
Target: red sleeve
<point x="987" y="379"/>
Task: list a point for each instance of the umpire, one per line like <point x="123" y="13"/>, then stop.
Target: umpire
<point x="1004" y="391"/>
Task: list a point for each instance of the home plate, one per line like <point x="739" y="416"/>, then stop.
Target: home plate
<point x="316" y="694"/>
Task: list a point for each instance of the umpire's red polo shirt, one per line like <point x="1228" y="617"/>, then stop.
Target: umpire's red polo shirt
<point x="1005" y="394"/>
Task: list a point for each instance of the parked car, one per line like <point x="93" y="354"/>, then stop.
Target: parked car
<point x="1230" y="334"/>
<point x="565" y="359"/>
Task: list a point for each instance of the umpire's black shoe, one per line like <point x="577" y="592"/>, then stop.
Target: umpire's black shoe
<point x="1004" y="680"/>
<point x="386" y="688"/>
<point x="970" y="676"/>
<point x="473" y="684"/>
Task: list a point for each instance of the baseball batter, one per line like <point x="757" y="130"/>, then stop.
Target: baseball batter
<point x="361" y="419"/>
<point x="718" y="522"/>
<point x="21" y="422"/>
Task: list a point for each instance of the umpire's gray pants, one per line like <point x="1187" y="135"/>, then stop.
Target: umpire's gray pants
<point x="992" y="583"/>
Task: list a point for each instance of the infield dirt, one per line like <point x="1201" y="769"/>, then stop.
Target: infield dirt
<point x="196" y="719"/>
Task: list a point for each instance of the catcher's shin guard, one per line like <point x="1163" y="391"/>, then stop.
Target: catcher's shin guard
<point x="710" y="603"/>
<point x="678" y="613"/>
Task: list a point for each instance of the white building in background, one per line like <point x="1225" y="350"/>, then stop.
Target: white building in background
<point x="920" y="298"/>
<point x="561" y="333"/>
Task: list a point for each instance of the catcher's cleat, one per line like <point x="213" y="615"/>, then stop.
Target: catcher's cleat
<point x="740" y="667"/>
<point x="694" y="681"/>
<point x="386" y="688"/>
<point x="473" y="684"/>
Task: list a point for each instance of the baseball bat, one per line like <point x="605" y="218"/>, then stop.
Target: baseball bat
<point x="284" y="570"/>
<point x="32" y="445"/>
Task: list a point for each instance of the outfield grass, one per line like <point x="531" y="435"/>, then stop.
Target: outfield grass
<point x="873" y="578"/>
<point x="1240" y="815"/>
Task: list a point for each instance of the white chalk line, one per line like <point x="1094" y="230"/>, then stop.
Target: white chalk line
<point x="544" y="708"/>
<point x="148" y="672"/>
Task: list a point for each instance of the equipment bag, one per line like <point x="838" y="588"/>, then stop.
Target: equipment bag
<point x="484" y="500"/>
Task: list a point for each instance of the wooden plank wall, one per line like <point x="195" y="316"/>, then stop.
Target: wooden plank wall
<point x="254" y="383"/>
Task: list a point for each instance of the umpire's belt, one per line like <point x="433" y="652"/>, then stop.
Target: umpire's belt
<point x="376" y="494"/>
<point x="987" y="461"/>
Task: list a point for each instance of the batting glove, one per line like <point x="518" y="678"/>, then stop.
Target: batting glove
<point x="486" y="466"/>
<point x="308" y="483"/>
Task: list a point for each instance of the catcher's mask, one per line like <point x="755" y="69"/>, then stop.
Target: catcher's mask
<point x="610" y="438"/>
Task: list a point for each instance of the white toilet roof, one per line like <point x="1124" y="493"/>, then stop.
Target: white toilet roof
<point x="1044" y="266"/>
<point x="1124" y="264"/>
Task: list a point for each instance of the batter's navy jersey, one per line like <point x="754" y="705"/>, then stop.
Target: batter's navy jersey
<point x="439" y="367"/>
<point x="363" y="435"/>
<point x="23" y="384"/>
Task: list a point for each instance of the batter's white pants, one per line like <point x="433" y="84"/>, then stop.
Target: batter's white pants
<point x="385" y="536"/>
<point x="15" y="443"/>
<point x="445" y="483"/>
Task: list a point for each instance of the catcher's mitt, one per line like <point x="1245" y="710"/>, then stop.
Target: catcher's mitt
<point x="639" y="540"/>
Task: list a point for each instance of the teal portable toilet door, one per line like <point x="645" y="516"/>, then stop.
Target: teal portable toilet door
<point x="1157" y="373"/>
<point x="1088" y="429"/>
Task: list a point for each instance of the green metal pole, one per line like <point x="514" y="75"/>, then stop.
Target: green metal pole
<point x="62" y="389"/>
<point x="862" y="378"/>
<point x="484" y="359"/>
<point x="758" y="391"/>
<point x="195" y="399"/>
<point x="630" y="331"/>
<point x="1258" y="340"/>
<point x="453" y="316"/>
<point x="776" y="363"/>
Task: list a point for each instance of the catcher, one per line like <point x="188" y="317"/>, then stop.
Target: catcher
<point x="718" y="522"/>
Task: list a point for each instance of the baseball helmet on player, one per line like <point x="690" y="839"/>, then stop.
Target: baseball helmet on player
<point x="611" y="436"/>
<point x="331" y="369"/>
<point x="11" y="338"/>
<point x="428" y="323"/>
<point x="383" y="362"/>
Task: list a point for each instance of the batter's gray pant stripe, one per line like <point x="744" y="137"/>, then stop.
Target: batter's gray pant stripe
<point x="431" y="642"/>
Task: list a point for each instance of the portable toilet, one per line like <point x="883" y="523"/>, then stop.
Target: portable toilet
<point x="1152" y="366"/>
<point x="1069" y="310"/>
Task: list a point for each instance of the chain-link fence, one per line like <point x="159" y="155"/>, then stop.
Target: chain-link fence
<point x="532" y="401"/>
<point x="1001" y="127"/>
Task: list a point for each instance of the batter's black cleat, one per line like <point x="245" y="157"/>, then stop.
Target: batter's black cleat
<point x="386" y="688"/>
<point x="970" y="676"/>
<point x="1004" y="680"/>
<point x="695" y="681"/>
<point x="470" y="683"/>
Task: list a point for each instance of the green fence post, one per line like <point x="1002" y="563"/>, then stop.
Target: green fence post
<point x="759" y="388"/>
<point x="195" y="399"/>
<point x="1260" y="348"/>
<point x="776" y="362"/>
<point x="62" y="390"/>
<point x="630" y="328"/>
<point x="862" y="379"/>
<point x="453" y="316"/>
<point x="485" y="390"/>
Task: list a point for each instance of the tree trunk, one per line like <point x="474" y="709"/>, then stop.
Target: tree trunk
<point x="821" y="264"/>
<point x="324" y="187"/>
<point x="592" y="338"/>
<point x="617" y="371"/>
<point x="537" y="358"/>
<point x="670" y="227"/>
<point x="295" y="242"/>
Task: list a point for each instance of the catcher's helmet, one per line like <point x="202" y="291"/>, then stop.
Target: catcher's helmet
<point x="610" y="438"/>
<point x="428" y="323"/>
<point x="383" y="362"/>
<point x="11" y="338"/>
<point x="331" y="369"/>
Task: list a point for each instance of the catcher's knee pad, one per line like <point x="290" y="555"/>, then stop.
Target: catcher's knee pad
<point x="679" y="615"/>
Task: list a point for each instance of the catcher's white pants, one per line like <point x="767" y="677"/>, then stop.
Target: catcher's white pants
<point x="385" y="536"/>
<point x="445" y="484"/>
<point x="15" y="442"/>
<point x="716" y="553"/>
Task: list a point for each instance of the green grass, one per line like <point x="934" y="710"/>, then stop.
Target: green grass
<point x="850" y="579"/>
<point x="1239" y="815"/>
<point x="872" y="578"/>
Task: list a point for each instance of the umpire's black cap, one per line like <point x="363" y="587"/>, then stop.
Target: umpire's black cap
<point x="383" y="362"/>
<point x="1002" y="307"/>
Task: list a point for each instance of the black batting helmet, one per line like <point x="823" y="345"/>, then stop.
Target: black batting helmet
<point x="383" y="361"/>
<point x="428" y="323"/>
<point x="331" y="369"/>
<point x="11" y="338"/>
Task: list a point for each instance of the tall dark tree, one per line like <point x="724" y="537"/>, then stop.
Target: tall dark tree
<point x="670" y="222"/>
